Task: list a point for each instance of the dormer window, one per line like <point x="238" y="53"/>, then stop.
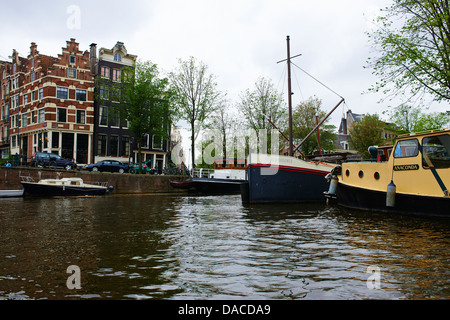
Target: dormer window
<point x="117" y="57"/>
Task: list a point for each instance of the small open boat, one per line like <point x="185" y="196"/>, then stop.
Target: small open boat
<point x="186" y="184"/>
<point x="64" y="187"/>
<point x="11" y="193"/>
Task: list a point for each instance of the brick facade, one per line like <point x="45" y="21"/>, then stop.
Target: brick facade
<point x="5" y="70"/>
<point x="51" y="103"/>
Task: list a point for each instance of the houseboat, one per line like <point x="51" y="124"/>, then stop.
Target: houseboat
<point x="282" y="179"/>
<point x="415" y="179"/>
<point x="63" y="187"/>
<point x="276" y="178"/>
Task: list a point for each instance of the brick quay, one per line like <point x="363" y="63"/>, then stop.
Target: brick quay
<point x="10" y="178"/>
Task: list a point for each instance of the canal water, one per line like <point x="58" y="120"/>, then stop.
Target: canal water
<point x="213" y="247"/>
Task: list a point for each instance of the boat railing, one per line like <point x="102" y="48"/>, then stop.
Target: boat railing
<point x="422" y="132"/>
<point x="201" y="173"/>
<point x="27" y="179"/>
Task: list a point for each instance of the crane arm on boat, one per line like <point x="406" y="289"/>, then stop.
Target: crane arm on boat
<point x="319" y="124"/>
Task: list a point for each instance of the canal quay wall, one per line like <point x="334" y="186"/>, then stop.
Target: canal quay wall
<point x="123" y="183"/>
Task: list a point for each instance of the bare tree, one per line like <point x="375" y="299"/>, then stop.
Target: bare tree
<point x="264" y="101"/>
<point x="261" y="104"/>
<point x="223" y="123"/>
<point x="197" y="95"/>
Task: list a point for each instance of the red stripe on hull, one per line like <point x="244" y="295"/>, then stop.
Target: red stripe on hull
<point x="288" y="168"/>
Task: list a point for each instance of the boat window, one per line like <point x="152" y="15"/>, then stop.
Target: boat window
<point x="406" y="148"/>
<point x="436" y="152"/>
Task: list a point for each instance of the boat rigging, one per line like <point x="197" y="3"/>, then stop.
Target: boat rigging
<point x="290" y="93"/>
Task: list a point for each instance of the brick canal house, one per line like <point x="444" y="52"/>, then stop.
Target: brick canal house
<point x="5" y="70"/>
<point x="51" y="103"/>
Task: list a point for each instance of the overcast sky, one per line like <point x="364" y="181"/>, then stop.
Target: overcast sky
<point x="240" y="40"/>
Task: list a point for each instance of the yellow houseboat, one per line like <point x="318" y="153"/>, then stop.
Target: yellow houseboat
<point x="415" y="179"/>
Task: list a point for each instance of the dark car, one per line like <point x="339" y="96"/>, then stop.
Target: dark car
<point x="108" y="166"/>
<point x="51" y="160"/>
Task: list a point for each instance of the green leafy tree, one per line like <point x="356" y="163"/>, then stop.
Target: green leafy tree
<point x="367" y="132"/>
<point x="406" y="119"/>
<point x="413" y="42"/>
<point x="143" y="98"/>
<point x="431" y="121"/>
<point x="304" y="120"/>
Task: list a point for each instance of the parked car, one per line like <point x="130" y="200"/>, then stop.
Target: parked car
<point x="146" y="167"/>
<point x="51" y="160"/>
<point x="107" y="166"/>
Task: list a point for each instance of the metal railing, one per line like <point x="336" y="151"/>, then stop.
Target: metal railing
<point x="201" y="173"/>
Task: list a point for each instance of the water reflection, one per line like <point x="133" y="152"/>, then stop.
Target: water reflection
<point x="172" y="247"/>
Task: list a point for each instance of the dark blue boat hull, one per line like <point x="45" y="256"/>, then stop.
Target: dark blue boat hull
<point x="217" y="186"/>
<point x="288" y="184"/>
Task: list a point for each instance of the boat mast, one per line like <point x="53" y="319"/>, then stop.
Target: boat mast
<point x="290" y="93"/>
<point x="291" y="145"/>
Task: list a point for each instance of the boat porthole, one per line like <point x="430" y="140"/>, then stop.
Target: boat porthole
<point x="347" y="173"/>
<point x="361" y="174"/>
<point x="376" y="176"/>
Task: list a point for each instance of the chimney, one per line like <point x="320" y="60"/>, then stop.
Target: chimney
<point x="93" y="58"/>
<point x="344" y="126"/>
<point x="33" y="49"/>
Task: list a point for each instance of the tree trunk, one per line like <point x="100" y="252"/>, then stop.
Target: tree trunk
<point x="224" y="148"/>
<point x="193" y="145"/>
<point x="140" y="156"/>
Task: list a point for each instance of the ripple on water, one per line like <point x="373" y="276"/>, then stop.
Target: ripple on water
<point x="158" y="247"/>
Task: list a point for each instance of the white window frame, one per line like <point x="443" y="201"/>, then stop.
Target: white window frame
<point x="57" y="114"/>
<point x="62" y="89"/>
<point x="41" y="115"/>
